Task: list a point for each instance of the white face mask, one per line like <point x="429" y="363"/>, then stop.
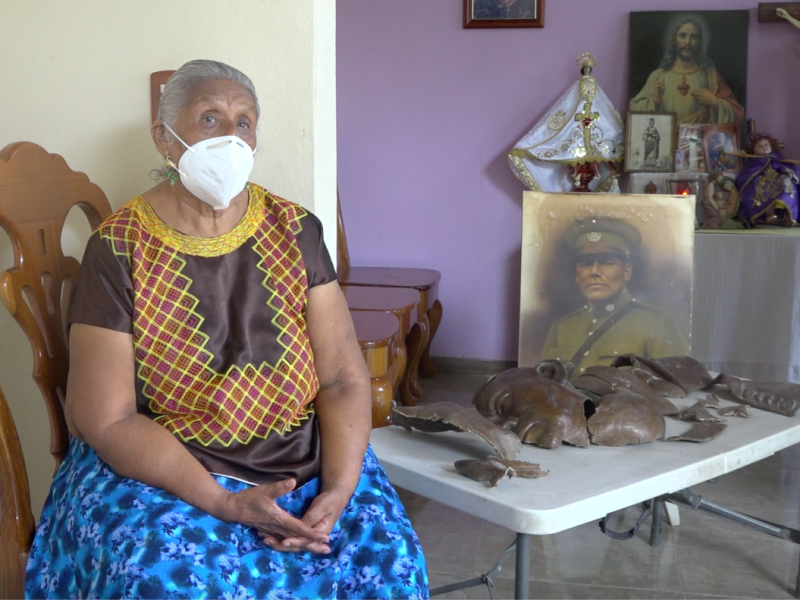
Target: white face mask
<point x="215" y="170"/>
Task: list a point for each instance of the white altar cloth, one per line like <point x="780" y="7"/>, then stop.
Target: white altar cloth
<point x="745" y="318"/>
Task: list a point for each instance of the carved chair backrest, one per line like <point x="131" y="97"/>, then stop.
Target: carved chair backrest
<point x="37" y="191"/>
<point x="342" y="253"/>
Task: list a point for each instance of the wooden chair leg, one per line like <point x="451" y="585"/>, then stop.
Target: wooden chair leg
<point x="434" y="317"/>
<point x="382" y="395"/>
<point x="410" y="390"/>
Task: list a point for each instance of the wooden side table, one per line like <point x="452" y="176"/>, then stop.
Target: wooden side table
<point x="385" y="354"/>
<point x="413" y="328"/>
<point x="425" y="281"/>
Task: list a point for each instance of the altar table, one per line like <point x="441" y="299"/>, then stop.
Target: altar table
<point x="746" y="302"/>
<point x="584" y="485"/>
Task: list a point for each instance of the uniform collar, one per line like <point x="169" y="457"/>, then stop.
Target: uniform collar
<point x="608" y="308"/>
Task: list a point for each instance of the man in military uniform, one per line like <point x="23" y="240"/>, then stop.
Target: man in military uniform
<point x="612" y="323"/>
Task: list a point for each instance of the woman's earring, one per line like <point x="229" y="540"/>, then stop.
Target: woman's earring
<point x="172" y="174"/>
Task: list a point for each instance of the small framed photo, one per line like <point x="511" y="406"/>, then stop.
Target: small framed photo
<point x="650" y="142"/>
<point x="721" y="146"/>
<point x="690" y="155"/>
<point x="503" y="13"/>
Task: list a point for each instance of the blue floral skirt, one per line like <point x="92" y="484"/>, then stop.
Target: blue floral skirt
<point x="106" y="536"/>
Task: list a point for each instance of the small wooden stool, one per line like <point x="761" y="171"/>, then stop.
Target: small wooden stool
<point x="413" y="329"/>
<point x="385" y="354"/>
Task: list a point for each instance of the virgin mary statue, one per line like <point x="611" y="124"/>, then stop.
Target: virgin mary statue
<point x="578" y="145"/>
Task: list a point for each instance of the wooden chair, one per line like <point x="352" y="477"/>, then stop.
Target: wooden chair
<point x="37" y="191"/>
<point x="16" y="519"/>
<point x="402" y="303"/>
<point x="426" y="281"/>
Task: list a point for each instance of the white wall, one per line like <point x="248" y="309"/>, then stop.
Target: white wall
<point x="75" y="80"/>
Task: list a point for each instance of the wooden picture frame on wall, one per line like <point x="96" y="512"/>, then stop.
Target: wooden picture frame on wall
<point x="650" y="142"/>
<point x="491" y="14"/>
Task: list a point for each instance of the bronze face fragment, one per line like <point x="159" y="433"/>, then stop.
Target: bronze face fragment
<point x="539" y="409"/>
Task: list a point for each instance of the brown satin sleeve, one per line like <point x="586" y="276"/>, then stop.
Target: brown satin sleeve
<point x="103" y="294"/>
<point x="319" y="266"/>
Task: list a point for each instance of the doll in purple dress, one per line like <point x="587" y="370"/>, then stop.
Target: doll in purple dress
<point x="768" y="185"/>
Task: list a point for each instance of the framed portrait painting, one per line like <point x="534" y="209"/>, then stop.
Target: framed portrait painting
<point x="650" y="142"/>
<point x="482" y="14"/>
<point x="721" y="146"/>
<point x="693" y="63"/>
<point x="605" y="275"/>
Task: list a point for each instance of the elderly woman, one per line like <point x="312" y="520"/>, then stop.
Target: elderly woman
<point x="218" y="401"/>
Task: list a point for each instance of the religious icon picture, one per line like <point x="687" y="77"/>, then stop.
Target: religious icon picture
<point x="503" y="13"/>
<point x="692" y="63"/>
<point x="650" y="142"/>
<point x="721" y="146"/>
<point x="690" y="156"/>
<point x="605" y="275"/>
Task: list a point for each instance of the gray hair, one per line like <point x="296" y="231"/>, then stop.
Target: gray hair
<point x="181" y="85"/>
<point x="183" y="82"/>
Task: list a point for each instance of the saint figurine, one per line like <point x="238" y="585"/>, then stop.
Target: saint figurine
<point x="577" y="145"/>
<point x="720" y="202"/>
<point x="768" y="185"/>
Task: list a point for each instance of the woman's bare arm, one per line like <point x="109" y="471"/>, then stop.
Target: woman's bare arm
<point x="344" y="400"/>
<point x="101" y="410"/>
<point x="343" y="403"/>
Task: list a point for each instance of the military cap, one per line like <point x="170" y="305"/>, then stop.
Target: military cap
<point x="602" y="235"/>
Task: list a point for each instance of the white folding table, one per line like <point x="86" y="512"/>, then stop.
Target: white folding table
<point x="584" y="484"/>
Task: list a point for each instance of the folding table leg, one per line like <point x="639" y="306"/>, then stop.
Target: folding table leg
<point x="521" y="587"/>
<point x="658" y="518"/>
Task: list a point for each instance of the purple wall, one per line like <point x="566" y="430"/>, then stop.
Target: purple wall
<point x="428" y="112"/>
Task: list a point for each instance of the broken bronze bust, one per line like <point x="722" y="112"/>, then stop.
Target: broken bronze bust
<point x="618" y="405"/>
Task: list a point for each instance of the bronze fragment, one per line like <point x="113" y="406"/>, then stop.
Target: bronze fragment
<point x="662" y="386"/>
<point x="698" y="412"/>
<point x="700" y="432"/>
<point x="625" y="418"/>
<point x="484" y="471"/>
<point x="737" y="410"/>
<point x="781" y="398"/>
<point x="493" y="469"/>
<point x="621" y="380"/>
<point x="685" y="372"/>
<point x="449" y="416"/>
